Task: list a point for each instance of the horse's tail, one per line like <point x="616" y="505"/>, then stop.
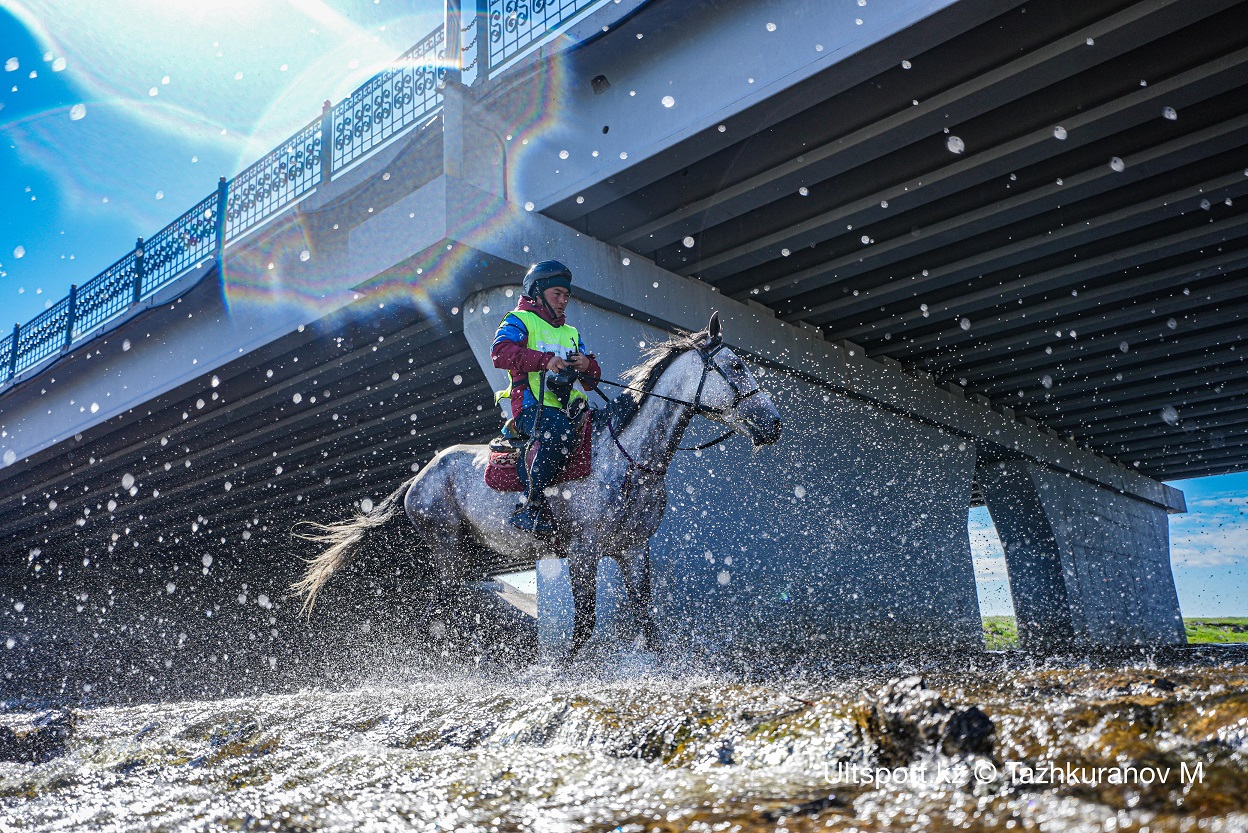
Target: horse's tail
<point x="342" y="540"/>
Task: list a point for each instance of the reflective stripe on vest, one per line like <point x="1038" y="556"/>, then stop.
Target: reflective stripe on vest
<point x="544" y="338"/>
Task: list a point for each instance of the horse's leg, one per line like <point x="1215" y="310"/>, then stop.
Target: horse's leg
<point x="636" y="565"/>
<point x="583" y="570"/>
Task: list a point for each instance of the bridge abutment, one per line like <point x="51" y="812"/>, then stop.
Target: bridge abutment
<point x="1088" y="567"/>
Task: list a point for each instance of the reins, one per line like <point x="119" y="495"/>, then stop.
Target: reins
<point x="695" y="406"/>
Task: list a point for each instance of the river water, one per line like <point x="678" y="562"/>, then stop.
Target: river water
<point x="631" y="749"/>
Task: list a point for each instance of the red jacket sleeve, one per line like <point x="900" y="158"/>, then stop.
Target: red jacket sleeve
<point x="517" y="358"/>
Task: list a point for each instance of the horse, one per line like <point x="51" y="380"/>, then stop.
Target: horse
<point x="612" y="512"/>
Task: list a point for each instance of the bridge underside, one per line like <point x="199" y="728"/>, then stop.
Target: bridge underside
<point x="1048" y="208"/>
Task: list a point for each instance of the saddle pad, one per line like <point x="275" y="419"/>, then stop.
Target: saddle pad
<point x="500" y="472"/>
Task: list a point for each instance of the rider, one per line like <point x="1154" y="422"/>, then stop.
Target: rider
<point x="532" y="339"/>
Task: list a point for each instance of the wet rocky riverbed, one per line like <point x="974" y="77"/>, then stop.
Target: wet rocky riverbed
<point x="993" y="747"/>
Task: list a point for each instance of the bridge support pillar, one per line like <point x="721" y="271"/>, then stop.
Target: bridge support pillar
<point x="1088" y="567"/>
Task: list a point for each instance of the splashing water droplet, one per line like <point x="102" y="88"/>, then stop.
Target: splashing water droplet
<point x="1169" y="113"/>
<point x="19" y="252"/>
<point x="668" y="101"/>
<point x="771" y="27"/>
<point x="1204" y="204"/>
<point x="955" y="144"/>
<point x="905" y="65"/>
<point x="1047" y="380"/>
<point x="127" y="480"/>
<point x="785" y="253"/>
<point x="804" y="191"/>
<point x="1117" y="164"/>
<point x="563" y="154"/>
<point x="305" y="255"/>
<point x="1171" y="323"/>
<point x="1169" y="415"/>
<point x="1059" y="132"/>
<point x="1123" y="346"/>
<point x="11" y="65"/>
<point x="366" y="505"/>
<point x="688" y="241"/>
<point x="800" y="491"/>
<point x="865" y="239"/>
<point x="965" y="323"/>
<point x="77" y="112"/>
<point x="528" y="206"/>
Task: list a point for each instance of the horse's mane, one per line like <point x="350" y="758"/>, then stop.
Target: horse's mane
<point x="645" y="374"/>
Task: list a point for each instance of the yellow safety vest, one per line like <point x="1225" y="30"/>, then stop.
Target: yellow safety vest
<point x="544" y="338"/>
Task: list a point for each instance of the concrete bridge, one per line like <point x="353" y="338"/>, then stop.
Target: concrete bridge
<point x="980" y="251"/>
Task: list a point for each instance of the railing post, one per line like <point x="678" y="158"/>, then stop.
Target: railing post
<point x="17" y="331"/>
<point x="483" y="40"/>
<point x="223" y="199"/>
<point x="138" y="270"/>
<point x="69" y="319"/>
<point x="451" y="33"/>
<point x="327" y="139"/>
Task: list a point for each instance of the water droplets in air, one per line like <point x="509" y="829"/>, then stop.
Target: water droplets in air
<point x="905" y="65"/>
<point x="668" y="101"/>
<point x="955" y="144"/>
<point x="77" y="112"/>
<point x="366" y="505"/>
<point x="1169" y="113"/>
<point x="127" y="481"/>
<point x="771" y="27"/>
<point x="1059" y="132"/>
<point x="1047" y="381"/>
<point x="20" y="251"/>
<point x="964" y="323"/>
<point x="12" y="65"/>
<point x="804" y="191"/>
<point x="1117" y="164"/>
<point x="688" y="242"/>
<point x="1169" y="415"/>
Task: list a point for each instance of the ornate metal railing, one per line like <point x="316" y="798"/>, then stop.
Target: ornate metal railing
<point x="517" y="25"/>
<point x="104" y="296"/>
<point x="44" y="334"/>
<point x="189" y="240"/>
<point x="386" y="105"/>
<point x="277" y="180"/>
<point x="390" y="101"/>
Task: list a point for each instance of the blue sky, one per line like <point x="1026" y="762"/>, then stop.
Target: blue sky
<point x="118" y="116"/>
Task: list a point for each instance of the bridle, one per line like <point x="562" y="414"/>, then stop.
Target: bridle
<point x="696" y="407"/>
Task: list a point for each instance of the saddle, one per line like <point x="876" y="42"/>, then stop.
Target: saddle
<point x="505" y="450"/>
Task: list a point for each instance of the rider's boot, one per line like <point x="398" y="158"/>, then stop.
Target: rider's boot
<point x="534" y="516"/>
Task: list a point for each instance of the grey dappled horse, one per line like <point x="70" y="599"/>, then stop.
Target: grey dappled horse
<point x="612" y="512"/>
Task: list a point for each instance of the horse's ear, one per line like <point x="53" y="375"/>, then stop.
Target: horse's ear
<point x="714" y="333"/>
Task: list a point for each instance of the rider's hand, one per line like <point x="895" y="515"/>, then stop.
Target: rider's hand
<point x="556" y="364"/>
<point x="581" y="363"/>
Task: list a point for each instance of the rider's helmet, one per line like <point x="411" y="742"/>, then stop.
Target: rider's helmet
<point x="544" y="275"/>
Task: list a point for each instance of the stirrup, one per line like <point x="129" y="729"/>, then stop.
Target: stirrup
<point x="529" y="517"/>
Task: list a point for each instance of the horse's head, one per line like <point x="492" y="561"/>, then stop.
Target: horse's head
<point x="728" y="392"/>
